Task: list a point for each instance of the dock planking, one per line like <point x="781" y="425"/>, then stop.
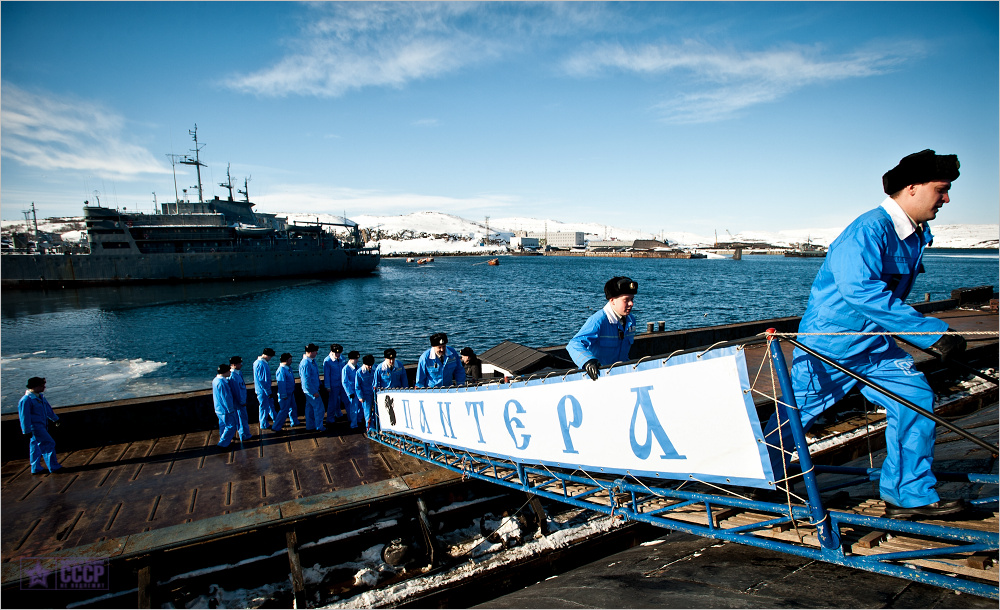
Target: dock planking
<point x="117" y="490"/>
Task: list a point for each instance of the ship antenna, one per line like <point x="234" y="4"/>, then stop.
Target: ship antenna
<point x="246" y="189"/>
<point x="187" y="160"/>
<point x="173" y="167"/>
<point x="228" y="184"/>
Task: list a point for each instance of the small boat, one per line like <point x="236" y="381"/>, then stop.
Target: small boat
<point x="409" y="259"/>
<point x="424" y="261"/>
<point x="493" y="262"/>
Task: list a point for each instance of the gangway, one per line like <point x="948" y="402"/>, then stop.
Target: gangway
<point x="814" y="511"/>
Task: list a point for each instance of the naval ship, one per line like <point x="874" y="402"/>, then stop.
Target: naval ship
<point x="187" y="241"/>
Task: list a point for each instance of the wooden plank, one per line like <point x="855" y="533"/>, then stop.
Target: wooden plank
<point x="871" y="539"/>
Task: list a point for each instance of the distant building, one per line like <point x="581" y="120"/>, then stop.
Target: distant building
<point x="560" y="239"/>
<point x="523" y="242"/>
<point x="612" y="244"/>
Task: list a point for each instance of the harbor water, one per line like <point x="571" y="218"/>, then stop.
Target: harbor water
<point x="98" y="344"/>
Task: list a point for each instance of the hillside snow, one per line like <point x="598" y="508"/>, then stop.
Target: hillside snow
<point x="425" y="232"/>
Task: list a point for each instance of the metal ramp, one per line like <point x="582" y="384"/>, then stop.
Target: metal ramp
<point x="815" y="516"/>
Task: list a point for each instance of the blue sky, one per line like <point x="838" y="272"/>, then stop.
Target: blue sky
<point x="656" y="116"/>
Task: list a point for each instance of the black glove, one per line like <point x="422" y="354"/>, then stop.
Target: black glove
<point x="593" y="368"/>
<point x="57" y="423"/>
<point x="949" y="347"/>
<point x="27" y="434"/>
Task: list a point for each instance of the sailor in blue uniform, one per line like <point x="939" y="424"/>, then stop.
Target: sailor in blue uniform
<point x="287" y="408"/>
<point x="333" y="365"/>
<point x="35" y="413"/>
<point x="222" y="398"/>
<point x="862" y="288"/>
<point x="347" y="378"/>
<point x="389" y="373"/>
<point x="607" y="336"/>
<point x="238" y="388"/>
<point x="364" y="389"/>
<point x="262" y="386"/>
<point x="309" y="376"/>
<point x="440" y="366"/>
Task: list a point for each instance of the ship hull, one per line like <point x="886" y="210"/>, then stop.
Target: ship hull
<point x="30" y="271"/>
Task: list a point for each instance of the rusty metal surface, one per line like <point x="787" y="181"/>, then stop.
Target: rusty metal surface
<point x="113" y="494"/>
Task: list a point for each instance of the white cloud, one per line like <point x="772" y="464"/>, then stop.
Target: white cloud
<point x="44" y="132"/>
<point x="716" y="83"/>
<point x="351" y="46"/>
<point x="426" y="123"/>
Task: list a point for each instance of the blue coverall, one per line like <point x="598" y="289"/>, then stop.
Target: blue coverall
<point x="440" y="372"/>
<point x="222" y="397"/>
<point x="364" y="389"/>
<point x="309" y="376"/>
<point x="287" y="408"/>
<point x="861" y="288"/>
<point x="600" y="337"/>
<point x="238" y="388"/>
<point x="353" y="404"/>
<point x="262" y="386"/>
<point x="35" y="413"/>
<point x="337" y="402"/>
<point x="394" y="377"/>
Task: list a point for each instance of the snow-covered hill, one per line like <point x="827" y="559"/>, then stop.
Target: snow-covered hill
<point x="424" y="232"/>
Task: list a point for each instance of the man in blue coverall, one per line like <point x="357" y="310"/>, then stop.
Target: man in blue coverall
<point x="862" y="288"/>
<point x="262" y="386"/>
<point x="35" y="413"/>
<point x="390" y="374"/>
<point x="347" y="378"/>
<point x="336" y="404"/>
<point x="309" y="376"/>
<point x="287" y="409"/>
<point x="607" y="336"/>
<point x="222" y="399"/>
<point x="440" y="366"/>
<point x="238" y="388"/>
<point x="364" y="389"/>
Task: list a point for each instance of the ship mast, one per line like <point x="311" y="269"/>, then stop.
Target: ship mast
<point x="187" y="160"/>
<point x="246" y="189"/>
<point x="228" y="184"/>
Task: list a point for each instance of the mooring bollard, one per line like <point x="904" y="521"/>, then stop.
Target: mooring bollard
<point x="649" y="327"/>
<point x="662" y="325"/>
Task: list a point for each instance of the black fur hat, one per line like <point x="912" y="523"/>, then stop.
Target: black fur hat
<point x="439" y="339"/>
<point x="918" y="168"/>
<point x="619" y="285"/>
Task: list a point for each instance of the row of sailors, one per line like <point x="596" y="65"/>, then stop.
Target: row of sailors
<point x="349" y="389"/>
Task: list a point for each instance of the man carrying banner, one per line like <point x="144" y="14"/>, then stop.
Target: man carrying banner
<point x="608" y="335"/>
<point x="860" y="292"/>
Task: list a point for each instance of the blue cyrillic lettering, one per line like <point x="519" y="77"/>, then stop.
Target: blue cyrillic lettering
<point x="653" y="428"/>
<point x="565" y="424"/>
<point x="514" y="422"/>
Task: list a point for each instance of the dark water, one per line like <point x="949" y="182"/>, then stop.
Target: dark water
<point x="107" y="343"/>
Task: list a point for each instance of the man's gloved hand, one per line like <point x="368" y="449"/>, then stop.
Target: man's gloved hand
<point x="593" y="368"/>
<point x="57" y="423"/>
<point x="28" y="434"/>
<point x="949" y="346"/>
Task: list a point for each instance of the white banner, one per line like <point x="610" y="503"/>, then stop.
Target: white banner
<point x="689" y="418"/>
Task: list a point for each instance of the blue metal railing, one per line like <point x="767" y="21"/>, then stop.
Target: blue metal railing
<point x="812" y="531"/>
